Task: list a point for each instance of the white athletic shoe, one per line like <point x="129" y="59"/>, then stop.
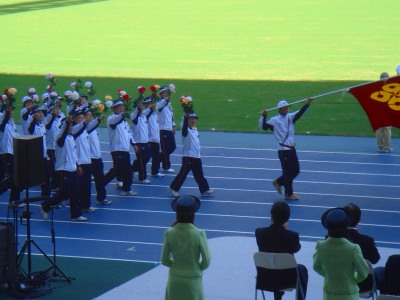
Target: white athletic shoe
<point x="174" y="193"/>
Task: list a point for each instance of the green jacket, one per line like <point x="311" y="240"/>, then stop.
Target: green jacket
<point x="342" y="265"/>
<point x="183" y="246"/>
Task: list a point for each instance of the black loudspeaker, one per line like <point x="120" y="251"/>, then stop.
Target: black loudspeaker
<point x="28" y="161"/>
<point x="8" y="255"/>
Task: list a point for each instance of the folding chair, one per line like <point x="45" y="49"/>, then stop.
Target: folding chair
<point x="276" y="272"/>
<point x="368" y="286"/>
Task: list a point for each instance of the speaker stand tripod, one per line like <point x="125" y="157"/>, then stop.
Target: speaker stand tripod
<point x="27" y="246"/>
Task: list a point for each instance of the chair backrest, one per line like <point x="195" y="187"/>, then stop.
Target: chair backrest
<point x="275" y="271"/>
<point x="368" y="286"/>
<point x="387" y="297"/>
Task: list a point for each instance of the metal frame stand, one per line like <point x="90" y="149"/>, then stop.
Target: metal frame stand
<point x="27" y="246"/>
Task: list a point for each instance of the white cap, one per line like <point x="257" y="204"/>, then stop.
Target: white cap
<point x="45" y="96"/>
<point x="282" y="103"/>
<point x="26" y="98"/>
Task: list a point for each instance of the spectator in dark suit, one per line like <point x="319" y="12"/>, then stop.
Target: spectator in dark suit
<point x="278" y="239"/>
<point x="366" y="243"/>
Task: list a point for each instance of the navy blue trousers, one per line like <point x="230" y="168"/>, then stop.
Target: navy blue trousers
<point x="194" y="165"/>
<point x="155" y="157"/>
<point x="85" y="185"/>
<point x="98" y="174"/>
<point x="290" y="169"/>
<point x="168" y="146"/>
<point x="122" y="169"/>
<point x="69" y="189"/>
<point x="142" y="158"/>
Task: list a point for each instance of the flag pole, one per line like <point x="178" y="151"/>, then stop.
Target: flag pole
<point x="328" y="93"/>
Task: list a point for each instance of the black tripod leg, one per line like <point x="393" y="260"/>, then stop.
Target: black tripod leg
<point x="54" y="265"/>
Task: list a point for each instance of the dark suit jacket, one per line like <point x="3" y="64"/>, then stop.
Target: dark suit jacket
<point x="366" y="243"/>
<point x="277" y="239"/>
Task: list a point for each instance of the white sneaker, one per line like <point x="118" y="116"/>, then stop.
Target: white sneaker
<point x="169" y="170"/>
<point x="146" y="181"/>
<point x="120" y="184"/>
<point x="159" y="175"/>
<point x="129" y="193"/>
<point x="89" y="209"/>
<point x="45" y="215"/>
<point x="79" y="219"/>
<point x="103" y="202"/>
<point x="174" y="193"/>
<point x="208" y="193"/>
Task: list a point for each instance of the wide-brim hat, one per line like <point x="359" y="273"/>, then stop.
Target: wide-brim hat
<point x="283" y="103"/>
<point x="186" y="205"/>
<point x="336" y="219"/>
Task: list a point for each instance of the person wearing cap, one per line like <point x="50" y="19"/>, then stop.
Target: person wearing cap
<point x="384" y="134"/>
<point x="277" y="238"/>
<point x="52" y="123"/>
<point x="84" y="162"/>
<point x="140" y="132"/>
<point x="282" y="126"/>
<point x="398" y="70"/>
<point x="120" y="140"/>
<point x="191" y="159"/>
<point x="167" y="129"/>
<point x="37" y="128"/>
<point x="185" y="252"/>
<point x="95" y="157"/>
<point x="66" y="164"/>
<point x="8" y="131"/>
<point x="338" y="260"/>
<point x="25" y="113"/>
<point x="154" y="137"/>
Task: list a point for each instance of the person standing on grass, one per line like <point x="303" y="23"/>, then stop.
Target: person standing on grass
<point x="384" y="134"/>
<point x="120" y="142"/>
<point x="191" y="160"/>
<point x="167" y="129"/>
<point x="185" y="252"/>
<point x="282" y="126"/>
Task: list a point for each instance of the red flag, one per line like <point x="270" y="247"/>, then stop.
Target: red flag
<point x="380" y="101"/>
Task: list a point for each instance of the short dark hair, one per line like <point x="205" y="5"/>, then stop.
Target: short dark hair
<point x="280" y="212"/>
<point x="182" y="218"/>
<point x="355" y="212"/>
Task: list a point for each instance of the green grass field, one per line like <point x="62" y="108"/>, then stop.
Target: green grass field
<point x="233" y="57"/>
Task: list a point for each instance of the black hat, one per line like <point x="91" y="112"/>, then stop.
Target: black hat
<point x="83" y="96"/>
<point x="186" y="205"/>
<point x="336" y="219"/>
